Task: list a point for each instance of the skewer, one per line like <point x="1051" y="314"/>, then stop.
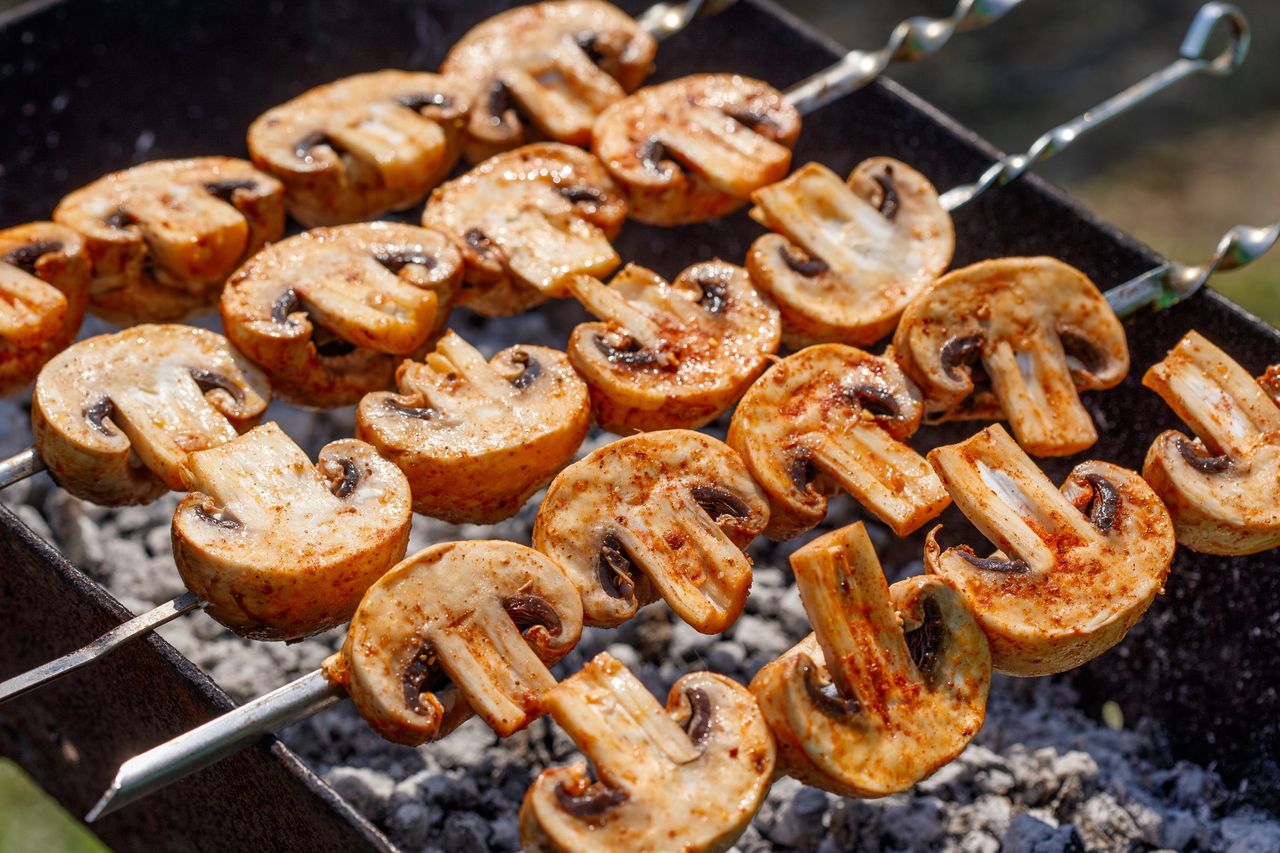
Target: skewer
<point x="663" y="20"/>
<point x="20" y="466"/>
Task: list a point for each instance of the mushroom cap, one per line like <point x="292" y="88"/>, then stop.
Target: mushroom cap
<point x="1075" y="569"/>
<point x="555" y="64"/>
<point x="1041" y="330"/>
<point x="361" y="146"/>
<point x="695" y="148"/>
<point x="44" y="288"/>
<point x="846" y="258"/>
<point x="1223" y="487"/>
<point x="891" y="685"/>
<point x="281" y="549"/>
<point x="687" y="777"/>
<point x="657" y="515"/>
<point x="832" y="418"/>
<point x="115" y="416"/>
<point x="526" y="221"/>
<point x="329" y="313"/>
<point x="476" y="439"/>
<point x="672" y="355"/>
<point x="474" y="622"/>
<point x="165" y="235"/>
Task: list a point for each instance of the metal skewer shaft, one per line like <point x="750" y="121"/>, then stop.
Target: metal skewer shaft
<point x="1192" y="61"/>
<point x="664" y="20"/>
<point x="20" y="466"/>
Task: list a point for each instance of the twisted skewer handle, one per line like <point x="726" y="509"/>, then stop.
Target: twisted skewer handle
<point x="20" y="466"/>
<point x="664" y="20"/>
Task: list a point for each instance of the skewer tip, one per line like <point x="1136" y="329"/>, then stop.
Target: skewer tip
<point x="104" y="805"/>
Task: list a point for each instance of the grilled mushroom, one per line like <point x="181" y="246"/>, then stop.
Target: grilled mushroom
<point x="44" y="287"/>
<point x="848" y="257"/>
<point x="329" y="313"/>
<point x="116" y="415"/>
<point x="687" y="777"/>
<point x="460" y="624"/>
<point x="281" y="549"/>
<point x="165" y="235"/>
<point x="1076" y="568"/>
<point x="526" y="222"/>
<point x="555" y="65"/>
<point x="866" y="705"/>
<point x="696" y="148"/>
<point x="659" y="515"/>
<point x="832" y="418"/>
<point x="1040" y="330"/>
<point x="671" y="355"/>
<point x="1223" y="487"/>
<point x="363" y="145"/>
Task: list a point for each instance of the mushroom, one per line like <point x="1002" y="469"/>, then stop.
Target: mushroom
<point x="281" y="549"/>
<point x="1223" y="487"/>
<point x="526" y="222"/>
<point x="165" y="235"/>
<point x="687" y="777"/>
<point x="554" y="64"/>
<point x="892" y="683"/>
<point x="328" y="314"/>
<point x="846" y="258"/>
<point x="477" y="438"/>
<point x="115" y="416"/>
<point x="361" y="146"/>
<point x="1040" y="331"/>
<point x="659" y="515"/>
<point x="459" y="626"/>
<point x="44" y="287"/>
<point x="1076" y="568"/>
<point x="671" y="355"/>
<point x="832" y="418"/>
<point x="696" y="148"/>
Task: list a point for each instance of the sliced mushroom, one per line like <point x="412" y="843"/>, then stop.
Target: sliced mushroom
<point x="687" y="777"/>
<point x="165" y="235"/>
<point x="832" y="418"/>
<point x="328" y="314"/>
<point x="115" y="416"/>
<point x="1041" y="331"/>
<point x="1076" y="568"/>
<point x="671" y="355"/>
<point x="526" y="222"/>
<point x="1223" y="487"/>
<point x="846" y="258"/>
<point x="460" y="624"/>
<point x="44" y="288"/>
<point x="659" y="515"/>
<point x="696" y="148"/>
<point x="361" y="146"/>
<point x="892" y="683"/>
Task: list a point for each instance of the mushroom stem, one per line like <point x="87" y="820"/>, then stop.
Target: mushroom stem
<point x="1038" y="395"/>
<point x="611" y="306"/>
<point x="31" y="310"/>
<point x="467" y="361"/>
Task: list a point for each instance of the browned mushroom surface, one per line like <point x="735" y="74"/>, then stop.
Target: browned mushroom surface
<point x="328" y="314"/>
<point x="687" y="777"/>
<point x="672" y="355"/>
<point x="363" y="145"/>
<point x="165" y="235"/>
<point x="1075" y="569"/>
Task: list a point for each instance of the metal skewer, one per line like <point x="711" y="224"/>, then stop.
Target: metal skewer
<point x="664" y="20"/>
<point x="20" y="466"/>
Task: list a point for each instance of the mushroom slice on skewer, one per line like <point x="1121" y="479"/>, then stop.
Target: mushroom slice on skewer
<point x="671" y="355"/>
<point x="696" y="148"/>
<point x="891" y="685"/>
<point x="1076" y="568"/>
<point x="281" y="549"/>
<point x="363" y="145"/>
<point x="846" y="258"/>
<point x="1223" y="487"/>
<point x="832" y="418"/>
<point x="477" y="438"/>
<point x="553" y="64"/>
<point x="1036" y="329"/>
<point x="115" y="416"/>
<point x="328" y="314"/>
<point x="686" y="777"/>
<point x="660" y="515"/>
<point x="165" y="235"/>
